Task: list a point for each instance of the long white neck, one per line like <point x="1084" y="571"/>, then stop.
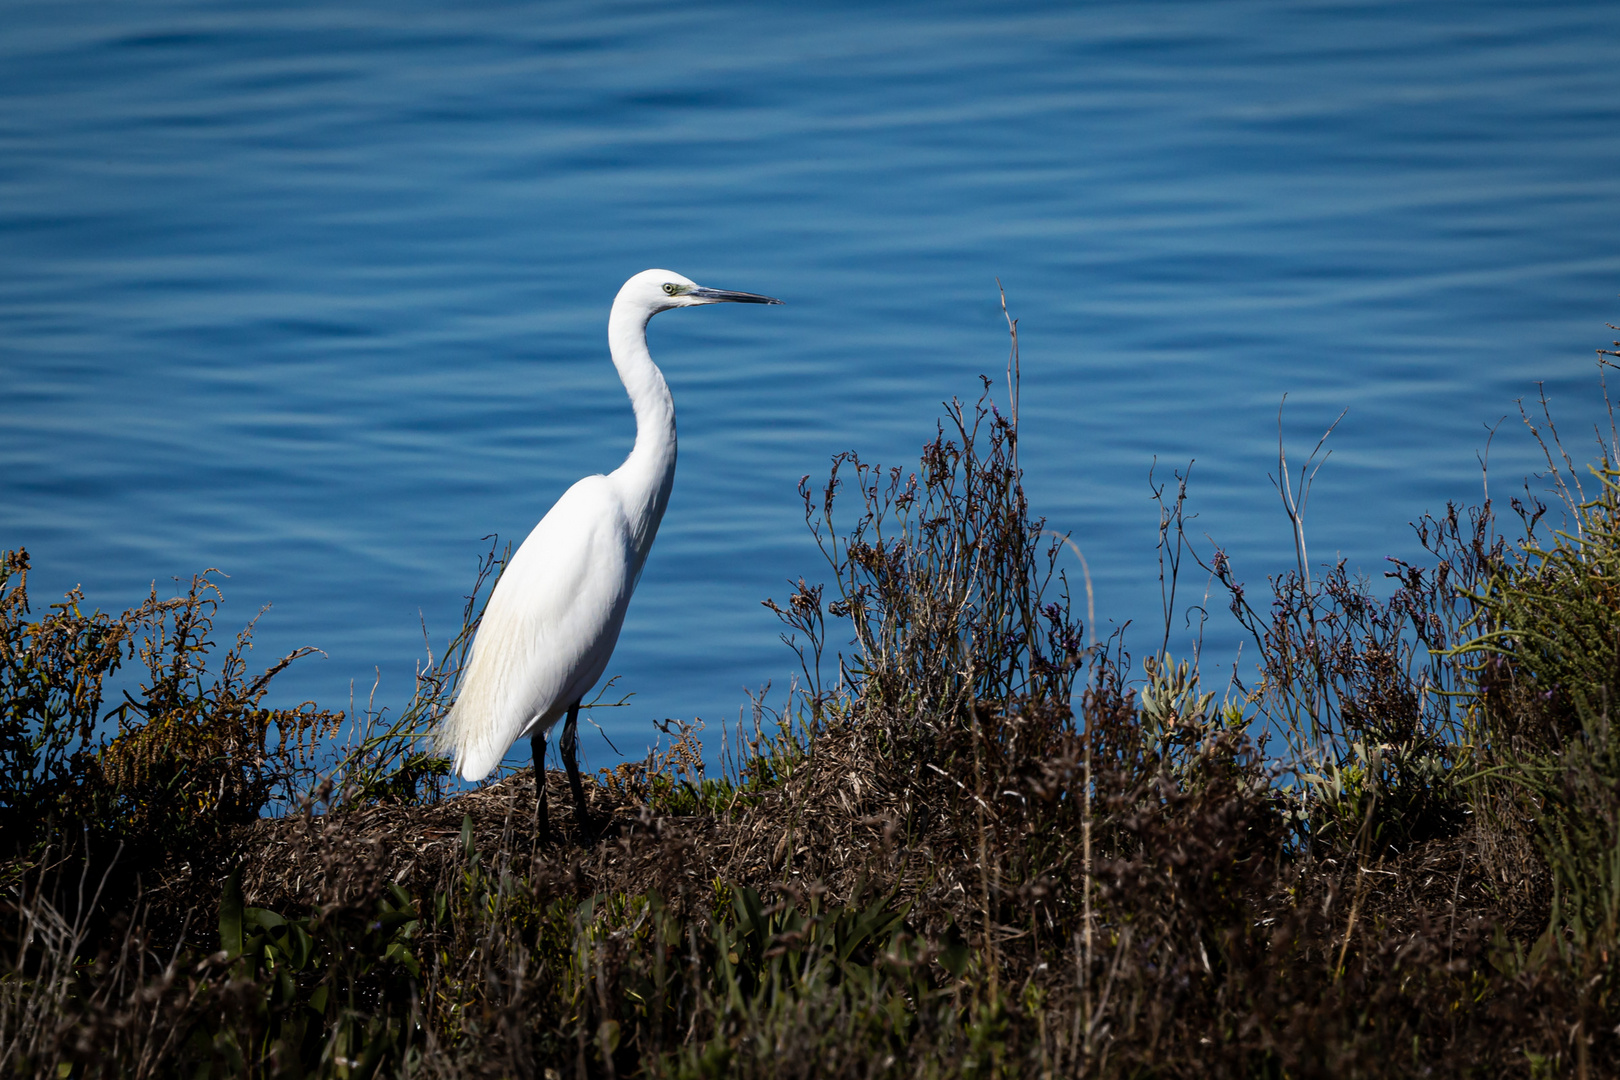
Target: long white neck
<point x="648" y="473"/>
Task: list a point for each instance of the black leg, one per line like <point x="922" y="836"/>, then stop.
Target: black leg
<point x="569" y="745"/>
<point x="542" y="827"/>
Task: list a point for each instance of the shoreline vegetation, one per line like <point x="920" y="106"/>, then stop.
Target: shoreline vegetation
<point x="972" y="841"/>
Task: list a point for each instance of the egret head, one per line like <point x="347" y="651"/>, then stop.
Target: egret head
<point x="660" y="290"/>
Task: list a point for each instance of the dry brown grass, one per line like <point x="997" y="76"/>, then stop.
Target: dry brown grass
<point x="975" y="848"/>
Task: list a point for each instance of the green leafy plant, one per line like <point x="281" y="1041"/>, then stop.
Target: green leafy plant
<point x="1546" y="656"/>
<point x="328" y="994"/>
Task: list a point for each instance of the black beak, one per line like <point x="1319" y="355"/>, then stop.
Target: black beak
<point x="719" y="295"/>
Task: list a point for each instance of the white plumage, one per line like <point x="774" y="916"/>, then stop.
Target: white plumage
<point x="555" y="614"/>
<point x="550" y="626"/>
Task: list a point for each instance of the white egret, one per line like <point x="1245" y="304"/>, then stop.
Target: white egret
<point x="555" y="614"/>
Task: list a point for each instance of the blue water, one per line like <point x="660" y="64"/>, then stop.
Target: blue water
<point x="315" y="293"/>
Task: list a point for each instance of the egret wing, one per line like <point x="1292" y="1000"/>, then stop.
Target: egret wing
<point x="549" y="628"/>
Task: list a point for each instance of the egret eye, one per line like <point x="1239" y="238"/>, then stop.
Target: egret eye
<point x="670" y="288"/>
